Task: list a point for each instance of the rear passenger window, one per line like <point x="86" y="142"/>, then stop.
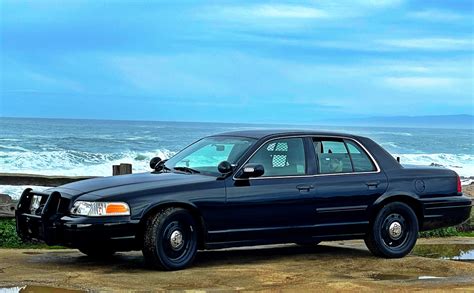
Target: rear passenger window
<point x="360" y="159"/>
<point x="333" y="157"/>
<point x="341" y="156"/>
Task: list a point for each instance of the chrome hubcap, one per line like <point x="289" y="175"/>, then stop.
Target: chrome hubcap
<point x="176" y="239"/>
<point x="395" y="230"/>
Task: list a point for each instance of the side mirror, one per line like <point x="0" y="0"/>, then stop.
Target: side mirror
<point x="154" y="162"/>
<point x="225" y="167"/>
<point x="252" y="171"/>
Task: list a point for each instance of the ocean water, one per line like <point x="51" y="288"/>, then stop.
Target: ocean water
<point x="91" y="147"/>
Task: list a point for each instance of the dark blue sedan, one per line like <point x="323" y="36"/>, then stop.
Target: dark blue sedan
<point x="249" y="188"/>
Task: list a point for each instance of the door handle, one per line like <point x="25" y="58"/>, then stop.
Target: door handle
<point x="372" y="184"/>
<point x="305" y="187"/>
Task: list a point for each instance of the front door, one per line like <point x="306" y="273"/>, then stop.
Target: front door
<point x="278" y="204"/>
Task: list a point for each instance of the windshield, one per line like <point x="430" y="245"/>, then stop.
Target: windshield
<point x="204" y="155"/>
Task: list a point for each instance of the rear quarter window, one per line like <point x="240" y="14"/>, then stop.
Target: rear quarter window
<point x="360" y="159"/>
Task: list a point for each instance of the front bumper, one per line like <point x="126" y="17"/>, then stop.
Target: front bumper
<point x="52" y="225"/>
<point x="445" y="211"/>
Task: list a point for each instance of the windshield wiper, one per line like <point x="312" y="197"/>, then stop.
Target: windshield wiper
<point x="164" y="168"/>
<point x="161" y="167"/>
<point x="187" y="169"/>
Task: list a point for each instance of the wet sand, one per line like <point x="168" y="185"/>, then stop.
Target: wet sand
<point x="343" y="265"/>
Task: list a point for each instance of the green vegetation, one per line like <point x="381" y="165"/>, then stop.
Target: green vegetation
<point x="465" y="230"/>
<point x="9" y="238"/>
<point x="443" y="232"/>
<point x="466" y="234"/>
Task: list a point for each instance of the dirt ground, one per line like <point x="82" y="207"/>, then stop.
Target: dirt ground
<point x="468" y="189"/>
<point x="342" y="266"/>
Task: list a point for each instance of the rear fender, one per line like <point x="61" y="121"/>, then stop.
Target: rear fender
<point x="410" y="199"/>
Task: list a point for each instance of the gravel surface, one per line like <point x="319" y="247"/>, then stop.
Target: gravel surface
<point x="343" y="265"/>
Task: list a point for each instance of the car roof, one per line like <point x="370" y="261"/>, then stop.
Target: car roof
<point x="262" y="133"/>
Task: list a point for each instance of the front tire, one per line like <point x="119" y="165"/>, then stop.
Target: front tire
<point x="394" y="231"/>
<point x="170" y="239"/>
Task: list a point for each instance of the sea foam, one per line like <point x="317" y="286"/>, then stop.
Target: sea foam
<point x="462" y="164"/>
<point x="75" y="163"/>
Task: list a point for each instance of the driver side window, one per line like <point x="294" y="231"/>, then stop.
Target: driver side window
<point x="281" y="157"/>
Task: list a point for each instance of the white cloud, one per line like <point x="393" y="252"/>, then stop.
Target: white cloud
<point x="432" y="67"/>
<point x="366" y="3"/>
<point x="435" y="15"/>
<point x="386" y="45"/>
<point x="376" y="3"/>
<point x="319" y="10"/>
<point x="272" y="11"/>
<point x="285" y="11"/>
<point x="429" y="43"/>
<point x="421" y="82"/>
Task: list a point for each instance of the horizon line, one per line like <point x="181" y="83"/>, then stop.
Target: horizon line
<point x="330" y="123"/>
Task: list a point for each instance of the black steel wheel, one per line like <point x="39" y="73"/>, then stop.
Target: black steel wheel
<point x="170" y="239"/>
<point x="394" y="231"/>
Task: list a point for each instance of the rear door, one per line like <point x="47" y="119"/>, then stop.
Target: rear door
<point x="348" y="182"/>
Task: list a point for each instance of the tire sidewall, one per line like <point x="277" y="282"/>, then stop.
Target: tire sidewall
<point x="411" y="224"/>
<point x="188" y="221"/>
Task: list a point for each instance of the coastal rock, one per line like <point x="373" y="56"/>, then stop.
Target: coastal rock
<point x="436" y="165"/>
<point x="5" y="198"/>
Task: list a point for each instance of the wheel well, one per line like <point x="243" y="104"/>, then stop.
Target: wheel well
<point x="410" y="201"/>
<point x="191" y="209"/>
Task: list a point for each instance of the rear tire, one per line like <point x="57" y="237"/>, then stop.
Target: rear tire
<point x="170" y="239"/>
<point x="394" y="231"/>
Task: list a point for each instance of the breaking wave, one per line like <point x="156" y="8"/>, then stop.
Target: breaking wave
<point x="462" y="164"/>
<point x="75" y="163"/>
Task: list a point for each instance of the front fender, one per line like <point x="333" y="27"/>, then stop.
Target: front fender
<point x="154" y="207"/>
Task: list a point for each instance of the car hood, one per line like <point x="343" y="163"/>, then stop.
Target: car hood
<point x="98" y="186"/>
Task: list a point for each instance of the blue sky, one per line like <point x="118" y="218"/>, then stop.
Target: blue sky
<point x="244" y="61"/>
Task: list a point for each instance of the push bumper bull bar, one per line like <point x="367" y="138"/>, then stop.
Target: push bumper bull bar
<point x="50" y="221"/>
<point x="40" y="222"/>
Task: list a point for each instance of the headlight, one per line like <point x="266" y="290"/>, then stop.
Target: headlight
<point x="97" y="209"/>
